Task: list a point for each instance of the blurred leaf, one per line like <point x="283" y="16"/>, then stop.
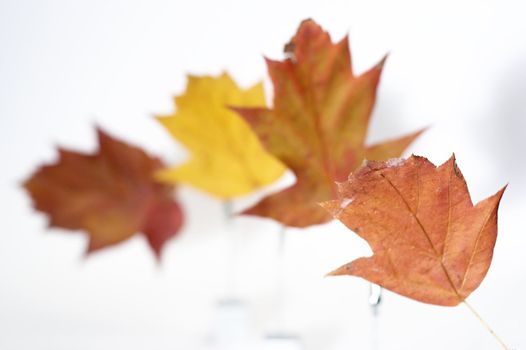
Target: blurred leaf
<point x="429" y="242"/>
<point x="227" y="159"/>
<point x="318" y="124"/>
<point x="110" y="194"/>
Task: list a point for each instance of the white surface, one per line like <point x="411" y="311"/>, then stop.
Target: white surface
<point x="459" y="66"/>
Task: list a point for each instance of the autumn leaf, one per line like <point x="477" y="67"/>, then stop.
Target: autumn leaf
<point x="110" y="194"/>
<point x="430" y="243"/>
<point x="318" y="124"/>
<point x="227" y="159"/>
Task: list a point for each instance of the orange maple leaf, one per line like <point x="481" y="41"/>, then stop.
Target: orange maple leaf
<point x="430" y="243"/>
<point x="110" y="194"/>
<point x="318" y="124"/>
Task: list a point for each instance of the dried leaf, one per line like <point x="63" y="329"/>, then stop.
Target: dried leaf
<point x="110" y="194"/>
<point x="430" y="243"/>
<point x="227" y="159"/>
<point x="318" y="124"/>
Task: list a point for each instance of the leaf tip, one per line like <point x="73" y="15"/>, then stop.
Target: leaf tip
<point x="157" y="253"/>
<point x="340" y="271"/>
<point x="25" y="184"/>
<point x="308" y="24"/>
<point x="333" y="207"/>
<point x="101" y="134"/>
<point x="380" y="65"/>
<point x="90" y="249"/>
<point x="417" y="133"/>
<point x="500" y="192"/>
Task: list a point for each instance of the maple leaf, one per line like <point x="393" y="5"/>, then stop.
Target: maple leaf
<point x="110" y="194"/>
<point x="227" y="159"/>
<point x="318" y="124"/>
<point x="429" y="242"/>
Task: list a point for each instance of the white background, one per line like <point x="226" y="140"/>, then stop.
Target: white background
<point x="457" y="66"/>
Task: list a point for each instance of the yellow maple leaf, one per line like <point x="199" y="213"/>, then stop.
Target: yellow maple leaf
<point x="227" y="159"/>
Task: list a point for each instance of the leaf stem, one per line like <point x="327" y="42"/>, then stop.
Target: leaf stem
<point x="280" y="278"/>
<point x="233" y="251"/>
<point x="474" y="312"/>
<point x="375" y="299"/>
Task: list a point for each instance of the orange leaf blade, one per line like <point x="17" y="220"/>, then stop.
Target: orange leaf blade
<point x="318" y="123"/>
<point x="429" y="242"/>
<point x="110" y="194"/>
